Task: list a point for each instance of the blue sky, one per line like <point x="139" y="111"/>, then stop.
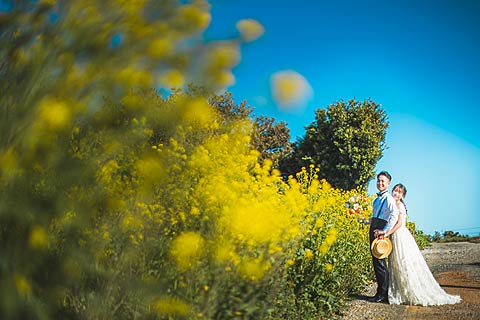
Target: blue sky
<point x="419" y="59"/>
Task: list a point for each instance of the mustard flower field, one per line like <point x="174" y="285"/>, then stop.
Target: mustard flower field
<point x="118" y="202"/>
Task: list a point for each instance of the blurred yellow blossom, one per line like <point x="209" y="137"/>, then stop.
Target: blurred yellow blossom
<point x="38" y="237"/>
<point x="198" y="111"/>
<point x="253" y="269"/>
<point x="171" y="306"/>
<point x="250" y="29"/>
<point x="160" y="47"/>
<point x="9" y="164"/>
<point x="54" y="113"/>
<point x="172" y="79"/>
<point x="131" y="222"/>
<point x="194" y="17"/>
<point x="22" y="284"/>
<point x="187" y="248"/>
<point x="224" y="78"/>
<point x="290" y="90"/>
<point x="224" y="55"/>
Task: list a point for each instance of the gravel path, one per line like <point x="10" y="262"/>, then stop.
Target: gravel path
<point x="456" y="266"/>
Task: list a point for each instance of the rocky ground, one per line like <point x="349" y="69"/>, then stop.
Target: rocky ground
<point x="456" y="266"/>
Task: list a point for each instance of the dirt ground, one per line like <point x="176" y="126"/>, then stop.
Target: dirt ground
<point x="456" y="266"/>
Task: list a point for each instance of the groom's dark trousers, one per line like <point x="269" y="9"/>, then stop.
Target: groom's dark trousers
<point x="379" y="265"/>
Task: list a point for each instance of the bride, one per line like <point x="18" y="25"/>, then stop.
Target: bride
<point x="410" y="280"/>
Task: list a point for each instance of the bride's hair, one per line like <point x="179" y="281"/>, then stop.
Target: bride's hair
<point x="402" y="188"/>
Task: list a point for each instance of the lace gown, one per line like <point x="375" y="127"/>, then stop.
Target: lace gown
<point x="410" y="280"/>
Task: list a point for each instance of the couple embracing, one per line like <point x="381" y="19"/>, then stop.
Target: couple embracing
<point x="407" y="279"/>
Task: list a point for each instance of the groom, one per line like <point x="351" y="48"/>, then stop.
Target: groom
<point x="384" y="217"/>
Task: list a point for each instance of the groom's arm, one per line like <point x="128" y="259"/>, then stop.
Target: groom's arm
<point x="393" y="216"/>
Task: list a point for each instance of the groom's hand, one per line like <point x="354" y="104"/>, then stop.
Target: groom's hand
<point x="379" y="233"/>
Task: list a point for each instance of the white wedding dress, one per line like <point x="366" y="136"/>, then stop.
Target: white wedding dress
<point x="410" y="279"/>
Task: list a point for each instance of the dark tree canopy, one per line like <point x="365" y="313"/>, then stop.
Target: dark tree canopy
<point x="346" y="140"/>
<point x="271" y="139"/>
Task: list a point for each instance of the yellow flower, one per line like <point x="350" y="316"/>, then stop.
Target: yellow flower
<point x="151" y="169"/>
<point x="171" y="306"/>
<point x="250" y="29"/>
<point x="194" y="17"/>
<point x="38" y="237"/>
<point x="224" y="55"/>
<point x="9" y="164"/>
<point x="160" y="47"/>
<point x="131" y="222"/>
<point x="199" y="111"/>
<point x="331" y="237"/>
<point x="224" y="78"/>
<point x="172" y="79"/>
<point x="308" y="254"/>
<point x="22" y="284"/>
<point x="133" y="76"/>
<point x="290" y="89"/>
<point x="290" y="262"/>
<point x="194" y="211"/>
<point x="329" y="240"/>
<point x="187" y="248"/>
<point x="319" y="224"/>
<point x="328" y="268"/>
<point x="323" y="248"/>
<point x="253" y="269"/>
<point x="54" y="113"/>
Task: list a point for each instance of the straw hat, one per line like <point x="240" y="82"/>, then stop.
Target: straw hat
<point x="381" y="248"/>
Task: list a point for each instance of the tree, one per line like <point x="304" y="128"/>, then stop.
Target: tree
<point x="228" y="110"/>
<point x="271" y="139"/>
<point x="346" y="140"/>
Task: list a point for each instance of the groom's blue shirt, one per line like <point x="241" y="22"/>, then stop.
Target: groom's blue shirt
<point x="385" y="208"/>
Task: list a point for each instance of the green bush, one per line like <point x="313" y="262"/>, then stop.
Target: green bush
<point x="422" y="239"/>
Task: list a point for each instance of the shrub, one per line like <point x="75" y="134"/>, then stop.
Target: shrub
<point x="422" y="239"/>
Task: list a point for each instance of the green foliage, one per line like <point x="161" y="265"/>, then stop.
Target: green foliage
<point x="422" y="239"/>
<point x="346" y="141"/>
<point x="271" y="139"/>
